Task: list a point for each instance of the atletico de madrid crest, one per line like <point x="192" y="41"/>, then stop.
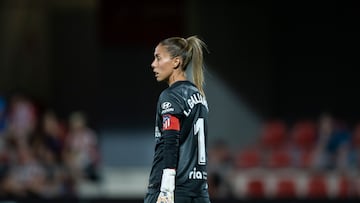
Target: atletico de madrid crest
<point x="170" y="122"/>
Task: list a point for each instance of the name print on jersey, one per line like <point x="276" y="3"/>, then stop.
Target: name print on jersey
<point x="193" y="100"/>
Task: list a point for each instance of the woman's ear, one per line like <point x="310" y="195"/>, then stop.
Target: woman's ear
<point x="176" y="62"/>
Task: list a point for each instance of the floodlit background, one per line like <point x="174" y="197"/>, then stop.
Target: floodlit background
<point x="78" y="96"/>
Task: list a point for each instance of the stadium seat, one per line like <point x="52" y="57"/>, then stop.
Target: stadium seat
<point x="286" y="188"/>
<point x="255" y="188"/>
<point x="273" y="134"/>
<point x="306" y="158"/>
<point x="317" y="187"/>
<point x="248" y="158"/>
<point x="344" y="190"/>
<point x="356" y="136"/>
<point x="279" y="158"/>
<point x="303" y="134"/>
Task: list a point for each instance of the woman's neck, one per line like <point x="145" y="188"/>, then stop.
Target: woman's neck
<point x="176" y="77"/>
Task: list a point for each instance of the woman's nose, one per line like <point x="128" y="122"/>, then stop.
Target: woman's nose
<point x="152" y="65"/>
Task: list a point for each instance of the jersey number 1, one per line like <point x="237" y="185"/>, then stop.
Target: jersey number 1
<point x="199" y="131"/>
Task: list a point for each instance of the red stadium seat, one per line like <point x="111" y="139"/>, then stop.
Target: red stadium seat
<point x="248" y="158"/>
<point x="255" y="188"/>
<point x="344" y="187"/>
<point x="356" y="136"/>
<point x="286" y="188"/>
<point x="273" y="134"/>
<point x="306" y="158"/>
<point x="317" y="187"/>
<point x="303" y="134"/>
<point x="279" y="158"/>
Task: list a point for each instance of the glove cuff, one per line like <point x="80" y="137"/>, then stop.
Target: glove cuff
<point x="168" y="180"/>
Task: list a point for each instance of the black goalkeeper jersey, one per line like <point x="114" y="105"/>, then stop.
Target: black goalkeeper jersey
<point x="183" y="102"/>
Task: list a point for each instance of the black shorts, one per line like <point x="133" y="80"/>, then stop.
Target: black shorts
<point x="152" y="197"/>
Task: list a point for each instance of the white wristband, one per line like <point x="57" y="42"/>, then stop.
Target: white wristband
<point x="168" y="180"/>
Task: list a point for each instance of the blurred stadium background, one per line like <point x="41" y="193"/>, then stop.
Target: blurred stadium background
<point x="77" y="97"/>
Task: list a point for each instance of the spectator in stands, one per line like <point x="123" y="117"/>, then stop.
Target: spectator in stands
<point x="354" y="155"/>
<point x="220" y="155"/>
<point x="220" y="163"/>
<point x="26" y="176"/>
<point x="56" y="176"/>
<point x="48" y="148"/>
<point x="3" y="117"/>
<point x="81" y="149"/>
<point x="54" y="133"/>
<point x="3" y="151"/>
<point x="333" y="144"/>
<point x="22" y="119"/>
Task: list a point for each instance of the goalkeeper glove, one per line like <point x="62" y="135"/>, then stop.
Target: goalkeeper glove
<point x="167" y="186"/>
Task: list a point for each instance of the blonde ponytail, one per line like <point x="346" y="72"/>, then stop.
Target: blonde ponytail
<point x="197" y="61"/>
<point x="190" y="50"/>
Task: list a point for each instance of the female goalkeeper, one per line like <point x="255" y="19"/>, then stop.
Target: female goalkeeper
<point x="179" y="169"/>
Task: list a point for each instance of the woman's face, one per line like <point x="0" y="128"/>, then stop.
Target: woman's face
<point x="163" y="64"/>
